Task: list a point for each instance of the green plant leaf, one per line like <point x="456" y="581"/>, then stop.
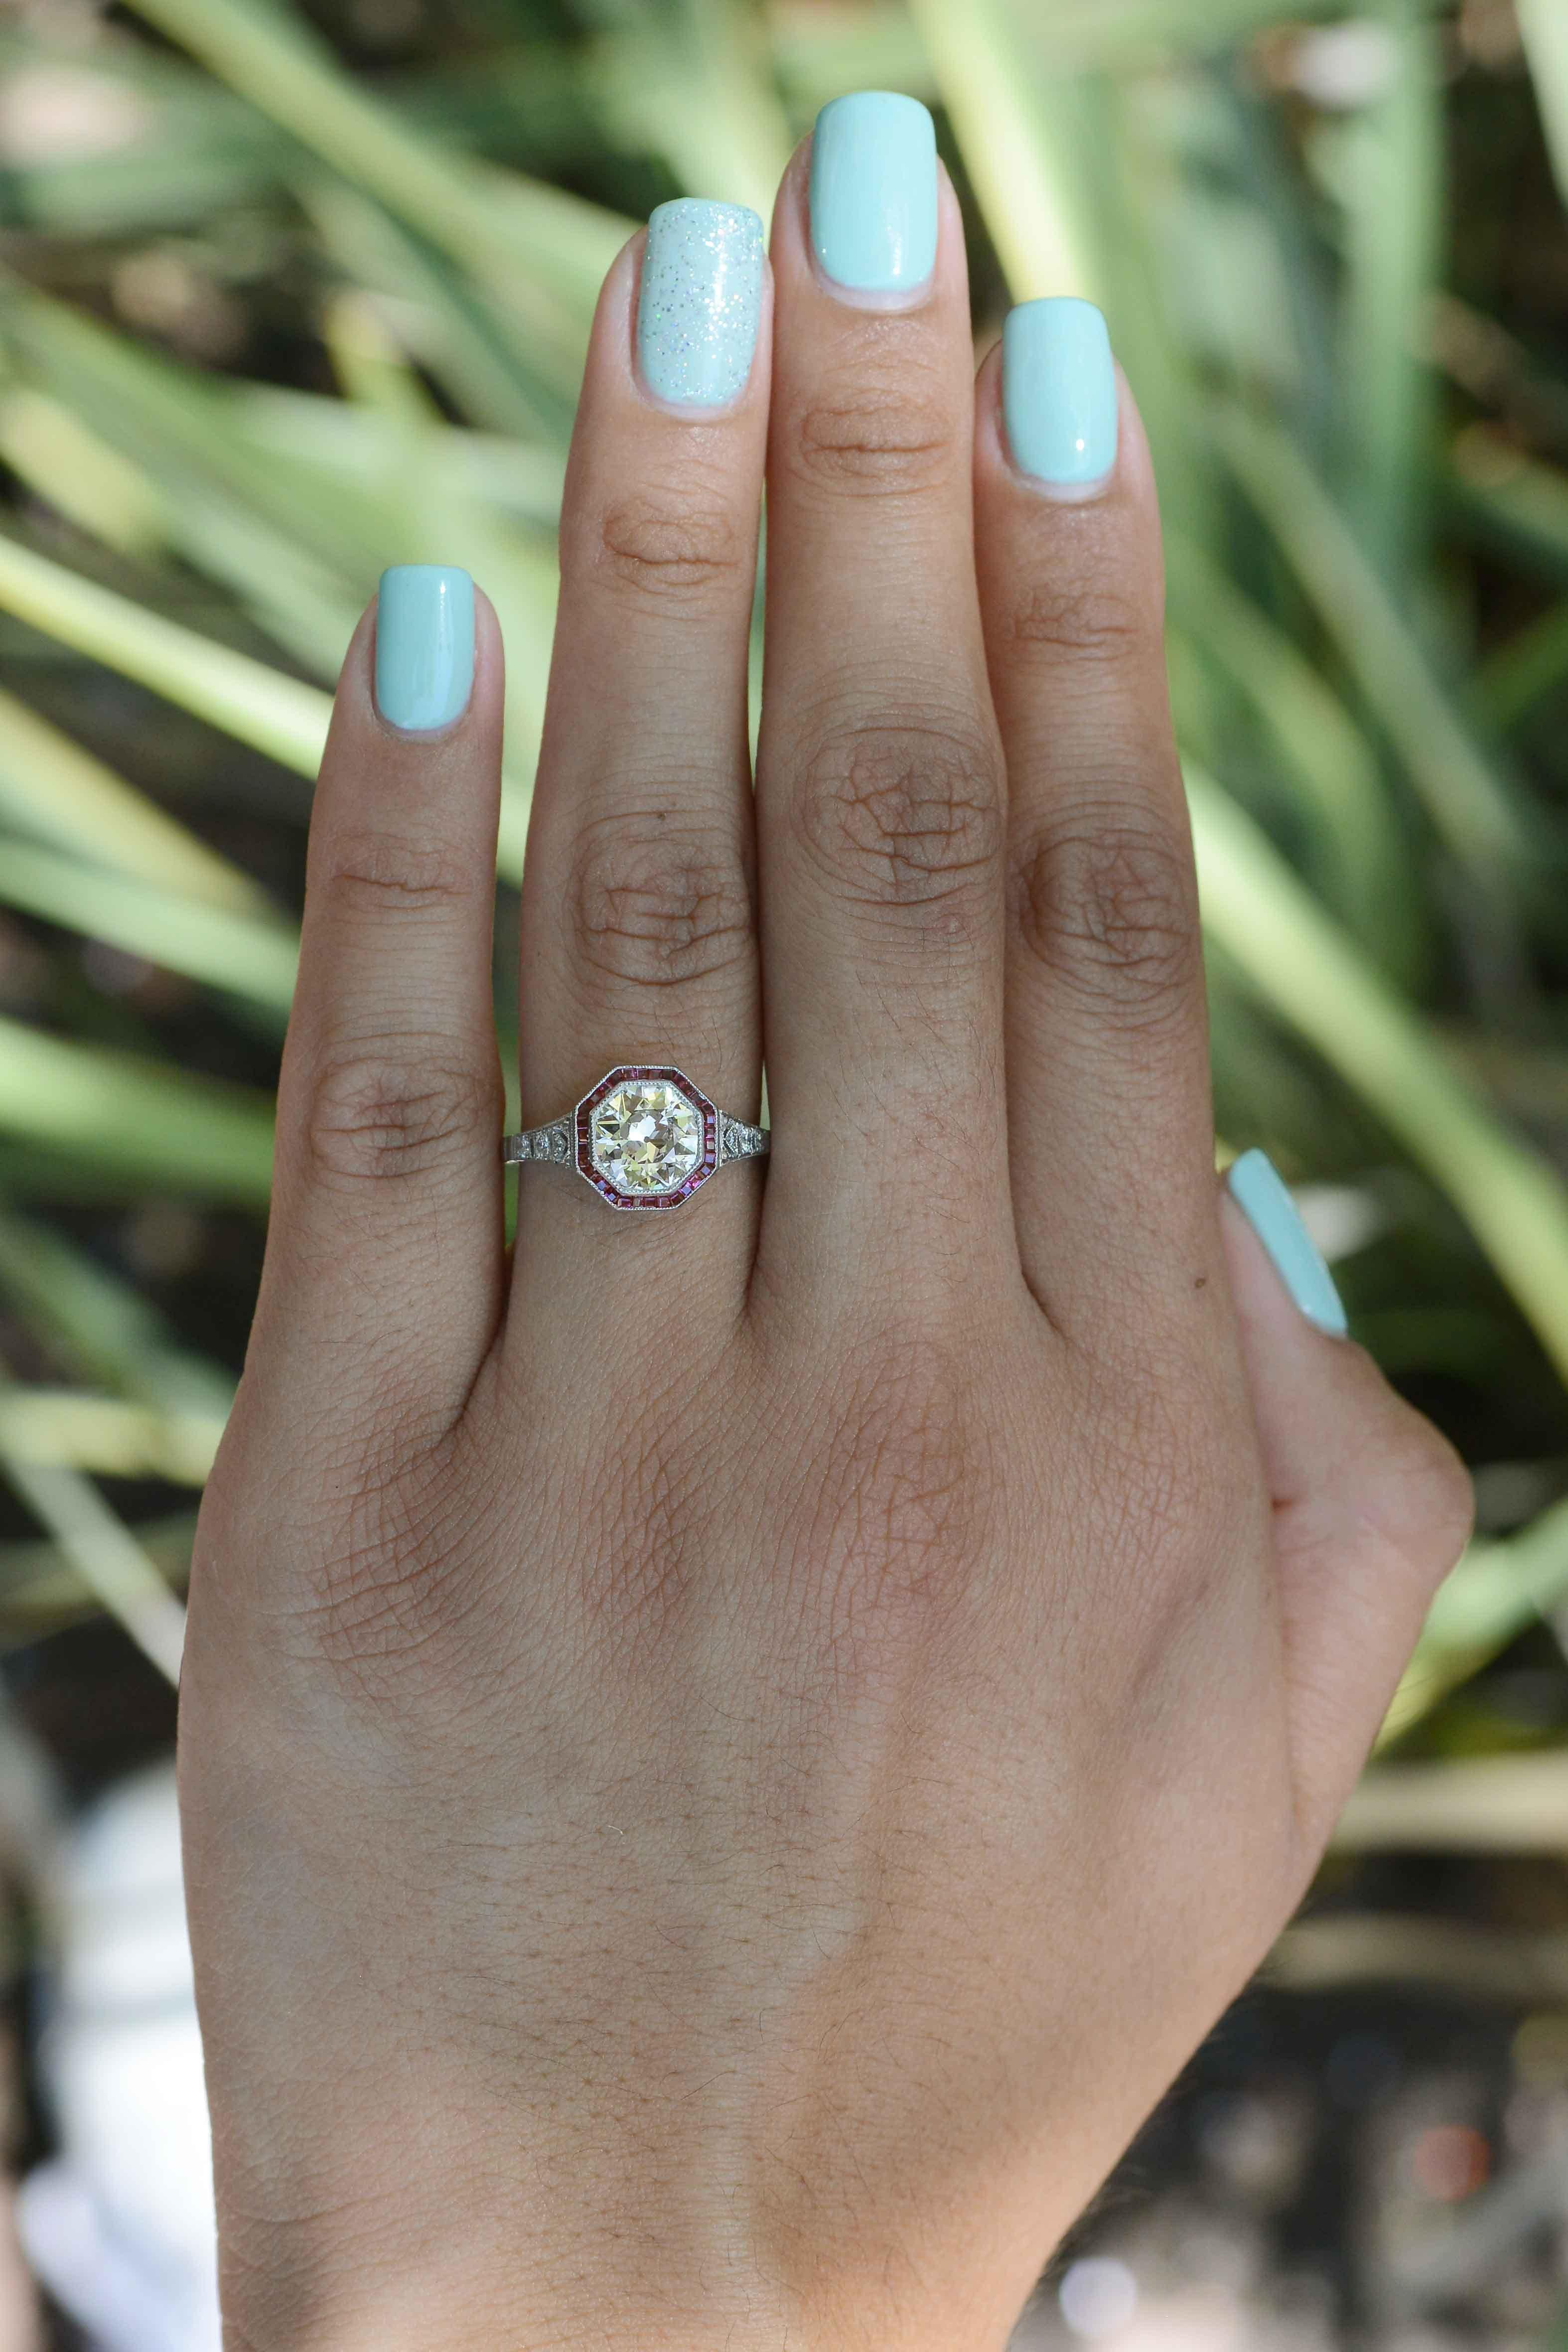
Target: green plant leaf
<point x="275" y="714"/>
<point x="1474" y="810"/>
<point x="51" y="788"/>
<point x="1312" y="975"/>
<point x="1544" y="28"/>
<point x="141" y="1120"/>
<point x="228" y="951"/>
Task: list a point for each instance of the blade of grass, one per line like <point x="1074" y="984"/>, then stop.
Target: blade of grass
<point x="1483" y="1804"/>
<point x="1338" y="785"/>
<point x="63" y="460"/>
<point x="1544" y="28"/>
<point x="542" y="250"/>
<point x="821" y="51"/>
<point x="1471" y="806"/>
<point x="330" y="437"/>
<point x="105" y="1555"/>
<point x="97" y="1543"/>
<point x="1497" y="1589"/>
<point x="275" y="714"/>
<point x="692" y="83"/>
<point x="242" y="517"/>
<point x="464" y="342"/>
<point x="1520" y="674"/>
<point x="301" y="566"/>
<point x="1298" y="961"/>
<point x="40" y="1591"/>
<point x="179" y="429"/>
<point x="98" y="1327"/>
<point x="1517" y="503"/>
<point x="818" y="53"/>
<point x="51" y="788"/>
<point x="255" y="960"/>
<point x="1016" y="134"/>
<point x="1389" y="180"/>
<point x="136" y="1118"/>
<point x="63" y="1428"/>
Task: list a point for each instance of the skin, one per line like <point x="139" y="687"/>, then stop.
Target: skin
<point x="728" y="1758"/>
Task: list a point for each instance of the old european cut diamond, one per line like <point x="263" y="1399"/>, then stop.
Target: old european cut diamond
<point x="646" y="1136"/>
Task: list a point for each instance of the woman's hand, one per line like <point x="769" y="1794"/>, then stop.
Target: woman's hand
<point x="728" y="1761"/>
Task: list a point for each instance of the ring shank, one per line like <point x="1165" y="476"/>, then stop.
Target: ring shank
<point x="554" y="1141"/>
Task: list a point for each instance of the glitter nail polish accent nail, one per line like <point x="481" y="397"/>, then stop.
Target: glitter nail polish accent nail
<point x="700" y="301"/>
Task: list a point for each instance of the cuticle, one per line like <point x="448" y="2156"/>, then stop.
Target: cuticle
<point x="1065" y="494"/>
<point x="887" y="302"/>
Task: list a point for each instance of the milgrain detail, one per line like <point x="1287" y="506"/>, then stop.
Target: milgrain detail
<point x="739" y="1141"/>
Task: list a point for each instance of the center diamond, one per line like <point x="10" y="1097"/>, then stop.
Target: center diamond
<point x="647" y="1137"/>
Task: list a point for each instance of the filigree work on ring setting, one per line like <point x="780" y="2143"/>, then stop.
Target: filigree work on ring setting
<point x="645" y="1138"/>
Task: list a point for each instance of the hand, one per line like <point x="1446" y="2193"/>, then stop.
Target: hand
<point x="728" y="1761"/>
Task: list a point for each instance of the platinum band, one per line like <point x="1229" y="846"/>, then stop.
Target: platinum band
<point x="554" y="1141"/>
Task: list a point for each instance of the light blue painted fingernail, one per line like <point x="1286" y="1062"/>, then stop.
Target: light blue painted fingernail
<point x="424" y="645"/>
<point x="873" y="191"/>
<point x="1059" y="392"/>
<point x="1259" y="1193"/>
<point x="700" y="301"/>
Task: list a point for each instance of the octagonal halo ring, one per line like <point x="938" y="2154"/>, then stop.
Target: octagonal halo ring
<point x="645" y="1138"/>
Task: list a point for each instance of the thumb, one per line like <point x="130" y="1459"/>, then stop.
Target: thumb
<point x="1371" y="1506"/>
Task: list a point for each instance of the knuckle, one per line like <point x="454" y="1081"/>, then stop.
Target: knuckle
<point x="385" y="1584"/>
<point x="638" y="1568"/>
<point x="651" y="904"/>
<point x="876" y="438"/>
<point x="905" y="815"/>
<point x="395" y="1108"/>
<point x="901" y="1510"/>
<point x="1093" y="617"/>
<point x="1419" y="1502"/>
<point x="1112" y="905"/>
<point x="669" y="545"/>
<point x="1170" y="1490"/>
<point x="386" y="874"/>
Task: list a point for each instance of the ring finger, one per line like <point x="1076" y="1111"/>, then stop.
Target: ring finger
<point x="638" y="938"/>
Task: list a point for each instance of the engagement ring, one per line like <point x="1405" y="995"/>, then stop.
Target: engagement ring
<point x="645" y="1138"/>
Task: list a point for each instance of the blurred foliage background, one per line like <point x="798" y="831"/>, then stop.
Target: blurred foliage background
<point x="288" y="293"/>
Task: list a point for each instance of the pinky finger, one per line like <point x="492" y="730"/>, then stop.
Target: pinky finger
<point x="1371" y="1506"/>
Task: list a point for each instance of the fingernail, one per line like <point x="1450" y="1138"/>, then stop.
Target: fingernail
<point x="700" y="301"/>
<point x="1059" y="392"/>
<point x="873" y="191"/>
<point x="1259" y="1193"/>
<point x="424" y="645"/>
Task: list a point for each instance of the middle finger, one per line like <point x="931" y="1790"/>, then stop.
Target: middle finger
<point x="879" y="792"/>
